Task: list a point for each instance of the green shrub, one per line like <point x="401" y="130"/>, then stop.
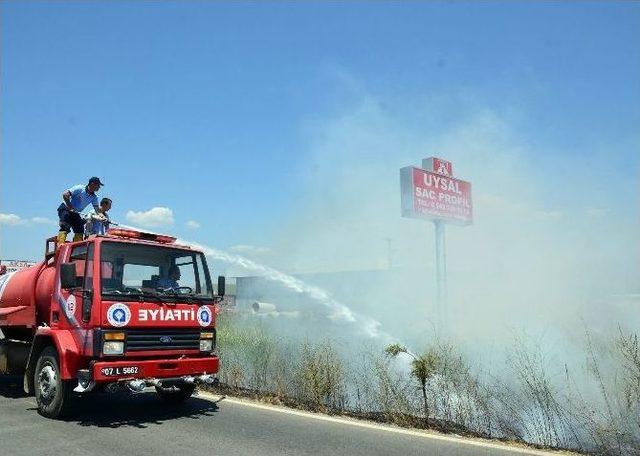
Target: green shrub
<point x="319" y="376"/>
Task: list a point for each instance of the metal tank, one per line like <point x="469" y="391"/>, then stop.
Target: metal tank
<point x="25" y="299"/>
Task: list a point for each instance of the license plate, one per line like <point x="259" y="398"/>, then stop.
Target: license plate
<point x="119" y="371"/>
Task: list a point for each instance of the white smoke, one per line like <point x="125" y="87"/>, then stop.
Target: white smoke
<point x="554" y="238"/>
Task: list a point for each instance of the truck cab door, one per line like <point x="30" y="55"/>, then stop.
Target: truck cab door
<point x="77" y="301"/>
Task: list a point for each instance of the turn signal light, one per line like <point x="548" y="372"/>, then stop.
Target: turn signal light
<point x="114" y="336"/>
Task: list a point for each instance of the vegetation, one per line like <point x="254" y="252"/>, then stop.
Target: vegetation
<point x="423" y="368"/>
<point x="593" y="410"/>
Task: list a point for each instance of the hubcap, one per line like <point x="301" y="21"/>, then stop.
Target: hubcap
<point x="48" y="380"/>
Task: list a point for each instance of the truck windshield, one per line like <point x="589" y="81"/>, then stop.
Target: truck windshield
<point x="133" y="270"/>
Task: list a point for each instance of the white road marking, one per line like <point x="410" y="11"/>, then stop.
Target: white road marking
<point x="381" y="427"/>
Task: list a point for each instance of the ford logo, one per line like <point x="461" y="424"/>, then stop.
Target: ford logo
<point x="165" y="339"/>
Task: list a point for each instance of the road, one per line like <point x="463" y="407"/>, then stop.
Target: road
<point x="142" y="425"/>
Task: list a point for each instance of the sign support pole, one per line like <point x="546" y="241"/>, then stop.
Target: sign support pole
<point x="431" y="192"/>
<point x="441" y="278"/>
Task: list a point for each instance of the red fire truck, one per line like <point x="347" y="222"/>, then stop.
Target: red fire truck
<point x="126" y="310"/>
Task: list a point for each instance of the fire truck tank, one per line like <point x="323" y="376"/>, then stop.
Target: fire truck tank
<point x="25" y="294"/>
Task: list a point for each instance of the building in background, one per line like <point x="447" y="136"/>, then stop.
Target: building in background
<point x="15" y="265"/>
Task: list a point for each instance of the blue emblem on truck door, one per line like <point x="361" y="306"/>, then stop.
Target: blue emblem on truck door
<point x="118" y="315"/>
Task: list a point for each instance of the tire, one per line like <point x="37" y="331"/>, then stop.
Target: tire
<point x="52" y="393"/>
<point x="176" y="394"/>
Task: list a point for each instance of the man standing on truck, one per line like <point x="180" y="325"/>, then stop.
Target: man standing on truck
<point x="75" y="200"/>
<point x="98" y="222"/>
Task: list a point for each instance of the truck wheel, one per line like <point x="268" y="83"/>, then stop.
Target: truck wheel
<point x="52" y="393"/>
<point x="176" y="394"/>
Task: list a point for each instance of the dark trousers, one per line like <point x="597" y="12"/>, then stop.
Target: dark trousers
<point x="70" y="220"/>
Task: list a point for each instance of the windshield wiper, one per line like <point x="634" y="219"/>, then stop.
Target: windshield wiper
<point x="179" y="296"/>
<point x="151" y="295"/>
<point x="132" y="294"/>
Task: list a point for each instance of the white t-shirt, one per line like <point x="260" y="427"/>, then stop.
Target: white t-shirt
<point x="95" y="226"/>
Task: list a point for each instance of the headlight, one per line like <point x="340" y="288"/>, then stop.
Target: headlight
<point x="206" y="345"/>
<point x="113" y="348"/>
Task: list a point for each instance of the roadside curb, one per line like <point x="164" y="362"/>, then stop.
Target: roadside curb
<point x="512" y="447"/>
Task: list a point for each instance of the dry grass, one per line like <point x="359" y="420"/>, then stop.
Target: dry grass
<point x="441" y="390"/>
<point x="611" y="420"/>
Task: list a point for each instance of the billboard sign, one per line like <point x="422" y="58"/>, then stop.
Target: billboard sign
<point x="434" y="194"/>
<point x="438" y="166"/>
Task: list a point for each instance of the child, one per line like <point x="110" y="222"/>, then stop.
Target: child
<point x="98" y="222"/>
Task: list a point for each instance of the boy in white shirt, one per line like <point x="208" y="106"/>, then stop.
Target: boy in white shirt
<point x="98" y="222"/>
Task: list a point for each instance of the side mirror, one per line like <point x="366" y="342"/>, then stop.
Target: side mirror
<point x="68" y="278"/>
<point x="221" y="285"/>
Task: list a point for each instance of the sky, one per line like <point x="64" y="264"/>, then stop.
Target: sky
<point x="213" y="121"/>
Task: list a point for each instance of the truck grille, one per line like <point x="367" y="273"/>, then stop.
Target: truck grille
<point x="165" y="339"/>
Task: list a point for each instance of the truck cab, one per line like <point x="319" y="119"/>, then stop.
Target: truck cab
<point x="126" y="310"/>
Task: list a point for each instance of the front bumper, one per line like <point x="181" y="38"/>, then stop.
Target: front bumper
<point x="110" y="371"/>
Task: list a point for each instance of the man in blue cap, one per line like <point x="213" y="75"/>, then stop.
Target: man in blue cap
<point x="76" y="199"/>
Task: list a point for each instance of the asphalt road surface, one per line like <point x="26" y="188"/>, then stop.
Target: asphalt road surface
<point x="121" y="424"/>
